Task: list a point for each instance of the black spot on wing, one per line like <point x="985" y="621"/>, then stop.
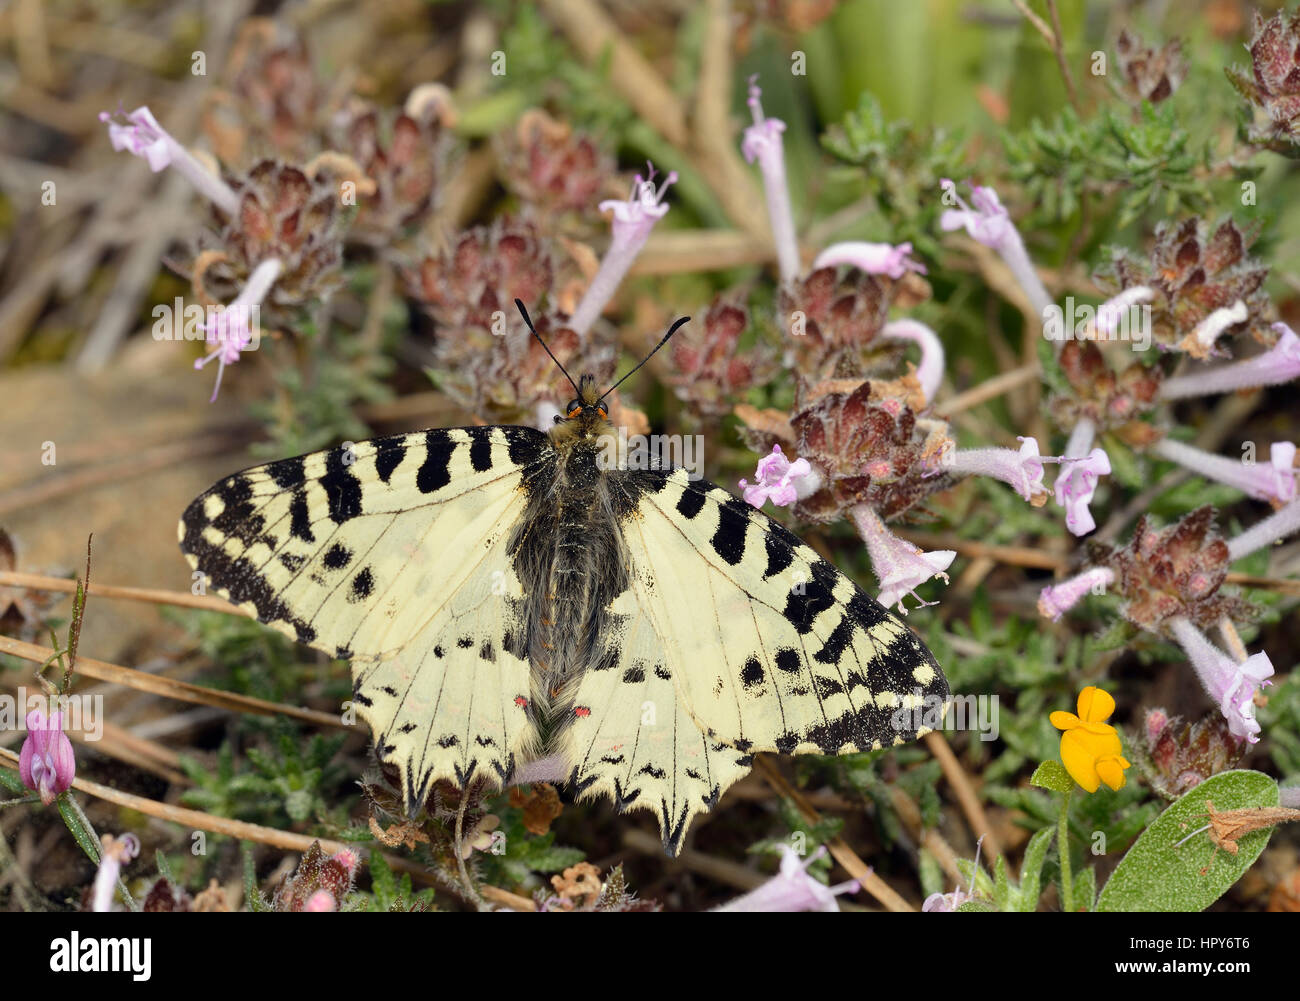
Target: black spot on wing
<point x="337" y="557"/>
<point x="788" y="660"/>
<point x="363" y="585"/>
<point x="342" y="488"/>
<point x="486" y="651"/>
<point x="435" y="471"/>
<point x="288" y="473"/>
<point x="635" y="674"/>
<point x="801" y="610"/>
<point x="238" y="518"/>
<point x="690" y="503"/>
<point x="300" y="517"/>
<point x="480" y="450"/>
<point x="389" y="453"/>
<point x="751" y="675"/>
<point x="729" y="540"/>
<point x="779" y="554"/>
<point x="524" y="445"/>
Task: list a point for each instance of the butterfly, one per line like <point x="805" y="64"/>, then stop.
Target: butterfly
<point x="506" y="594"/>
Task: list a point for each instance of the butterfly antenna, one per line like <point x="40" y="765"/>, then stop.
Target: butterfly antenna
<point x="677" y="324"/>
<point x="528" y="320"/>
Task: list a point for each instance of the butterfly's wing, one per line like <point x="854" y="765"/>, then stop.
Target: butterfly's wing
<point x="393" y="553"/>
<point x="766" y="647"/>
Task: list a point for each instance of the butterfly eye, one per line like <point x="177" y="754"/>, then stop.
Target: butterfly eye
<point x="574" y="408"/>
<point x="600" y="409"/>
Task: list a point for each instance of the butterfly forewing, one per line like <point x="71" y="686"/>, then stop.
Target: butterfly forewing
<point x="392" y="553"/>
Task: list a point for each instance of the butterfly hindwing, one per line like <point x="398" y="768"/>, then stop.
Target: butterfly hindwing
<point x="631" y="737"/>
<point x="392" y="553"/>
<point x="771" y="647"/>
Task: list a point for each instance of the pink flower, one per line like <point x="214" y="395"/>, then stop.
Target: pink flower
<point x="989" y="224"/>
<point x="792" y="889"/>
<point x="1280" y="363"/>
<point x="1230" y="684"/>
<point x="762" y="142"/>
<point x="1273" y="482"/>
<point x="116" y="853"/>
<point x="46" y="763"/>
<point x="873" y="258"/>
<point x="1056" y="600"/>
<point x="230" y="330"/>
<point x="941" y="903"/>
<point x="1023" y="469"/>
<point x="634" y="219"/>
<point x="900" y="566"/>
<point x="140" y="134"/>
<point x="322" y="901"/>
<point x="1278" y="525"/>
<point x="781" y="481"/>
<point x="1075" y="487"/>
<point x="930" y="372"/>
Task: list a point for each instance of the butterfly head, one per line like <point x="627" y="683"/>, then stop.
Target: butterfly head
<point x="587" y="414"/>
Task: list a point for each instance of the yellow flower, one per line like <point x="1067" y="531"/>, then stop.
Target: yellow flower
<point x="1090" y="747"/>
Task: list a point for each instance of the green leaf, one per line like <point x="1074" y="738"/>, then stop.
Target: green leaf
<point x="1052" y="775"/>
<point x="1157" y="876"/>
<point x="12" y="782"/>
<point x="1031" y="869"/>
<point x="1001" y="886"/>
<point x="83" y="837"/>
<point x="256" y="902"/>
<point x="1085" y="888"/>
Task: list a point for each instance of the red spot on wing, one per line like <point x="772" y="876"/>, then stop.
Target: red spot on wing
<point x="521" y="701"/>
<point x="581" y="711"/>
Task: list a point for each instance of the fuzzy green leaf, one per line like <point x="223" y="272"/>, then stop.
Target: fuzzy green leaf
<point x="1157" y="876"/>
<point x="1052" y="775"/>
<point x="1031" y="870"/>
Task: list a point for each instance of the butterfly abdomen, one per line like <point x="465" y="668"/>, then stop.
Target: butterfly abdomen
<point x="567" y="560"/>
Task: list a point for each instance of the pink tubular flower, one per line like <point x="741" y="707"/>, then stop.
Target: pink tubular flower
<point x="1112" y="310"/>
<point x="792" y="889"/>
<point x="634" y="220"/>
<point x="779" y="480"/>
<point x="989" y="224"/>
<point x="116" y="853"/>
<point x="762" y="142"/>
<point x="1055" y="600"/>
<point x="1278" y="525"/>
<point x="1023" y="469"/>
<point x="1082" y="466"/>
<point x="900" y="566"/>
<point x="1212" y="327"/>
<point x="140" y="134"/>
<point x="930" y="372"/>
<point x="1230" y="684"/>
<point x="873" y="258"/>
<point x="230" y="330"/>
<point x="1280" y="363"/>
<point x="46" y="763"/>
<point x="1272" y="482"/>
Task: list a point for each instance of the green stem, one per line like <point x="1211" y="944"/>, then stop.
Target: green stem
<point x="1063" y="851"/>
<point x="18" y="802"/>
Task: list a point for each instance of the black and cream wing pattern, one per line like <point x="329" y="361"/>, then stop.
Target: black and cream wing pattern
<point x="504" y="596"/>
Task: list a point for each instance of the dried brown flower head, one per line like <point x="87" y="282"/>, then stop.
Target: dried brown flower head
<point x="1113" y="401"/>
<point x="834" y="323"/>
<point x="541" y="805"/>
<point x="402" y="168"/>
<point x="272" y="103"/>
<point x="1273" y="84"/>
<point x="1150" y="74"/>
<point x="552" y="168"/>
<point x="1193" y="273"/>
<point x="1182" y="755"/>
<point x="283" y="214"/>
<point x="1174" y="571"/>
<point x="709" y="372"/>
<point x="477" y="280"/>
